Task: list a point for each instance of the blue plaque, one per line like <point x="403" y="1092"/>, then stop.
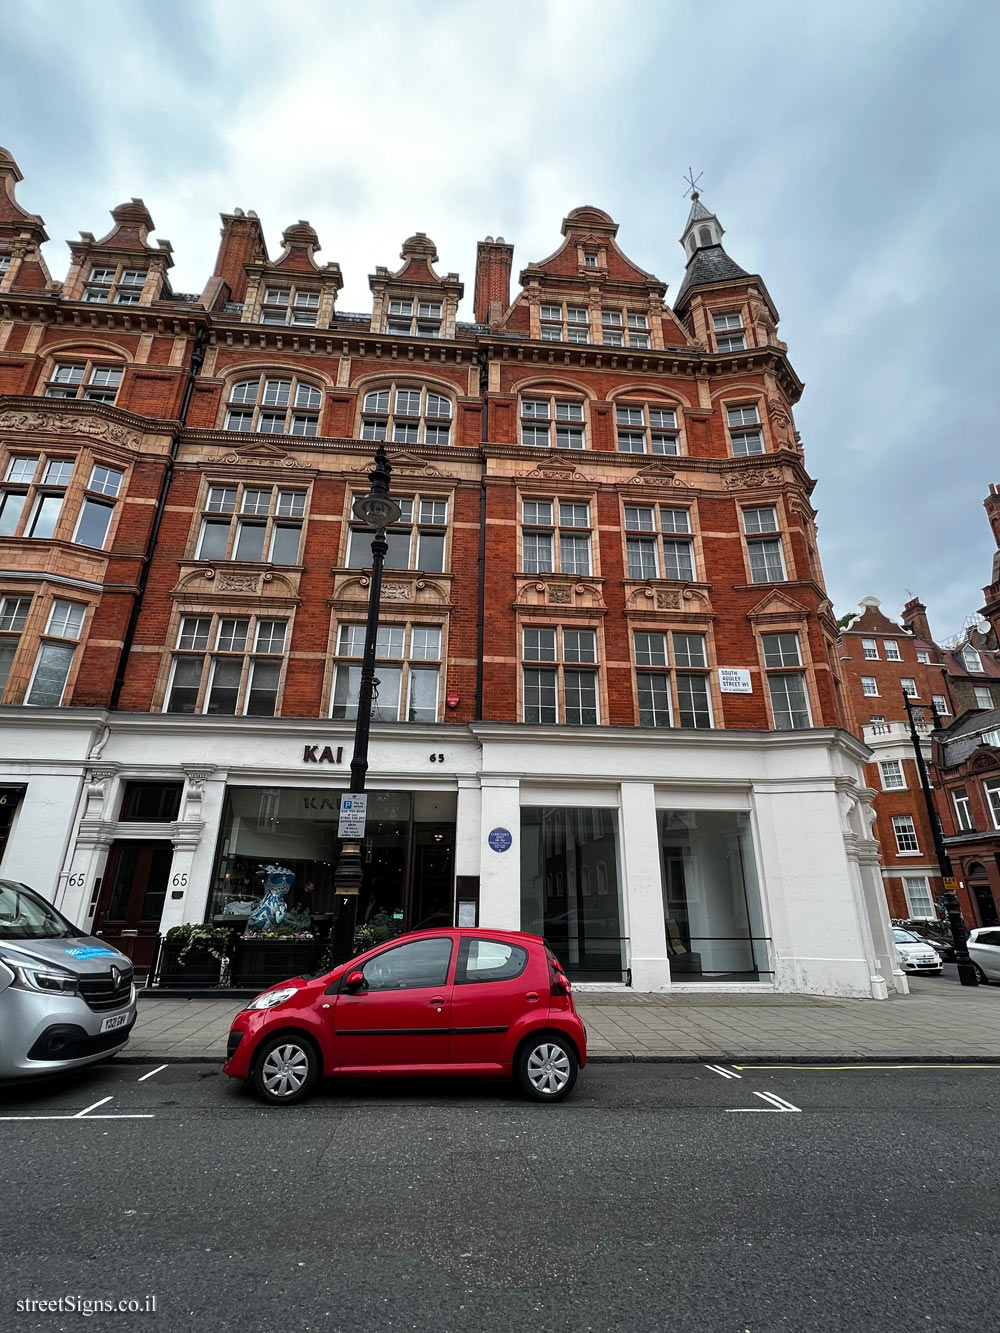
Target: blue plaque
<point x="500" y="839"/>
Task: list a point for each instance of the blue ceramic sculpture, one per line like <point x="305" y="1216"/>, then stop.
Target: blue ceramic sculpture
<point x="271" y="909"/>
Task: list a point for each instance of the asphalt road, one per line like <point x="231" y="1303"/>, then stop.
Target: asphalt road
<point x="660" y="1197"/>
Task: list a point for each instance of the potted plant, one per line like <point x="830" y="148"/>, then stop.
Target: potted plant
<point x="194" y="955"/>
<point x="263" y="957"/>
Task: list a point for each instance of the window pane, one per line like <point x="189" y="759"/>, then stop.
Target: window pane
<point x="538" y="512"/>
<point x="68" y="373"/>
<point x="677" y="560"/>
<point x="194" y="632"/>
<point x="765" y="561"/>
<point x="271" y="423"/>
<point x="270" y="636"/>
<point x="58" y="472"/>
<point x="11" y="507"/>
<point x="92" y="526"/>
<point x="423" y="694"/>
<point x="233" y="634"/>
<point x="650" y="649"/>
<point x="434" y="511"/>
<point x="539" y="696"/>
<point x="183" y="696"/>
<point x="537" y="548"/>
<point x="574" y="515"/>
<point x="569" y="437"/>
<point x="574" y="553"/>
<point x="239" y="421"/>
<point x="378" y="401"/>
<point x="569" y="411"/>
<point x="537" y="408"/>
<point x="747" y="442"/>
<point x="303" y="425"/>
<point x="641" y="558"/>
<point x="245" y="392"/>
<point x="65" y="620"/>
<point x="13" y="613"/>
<point x="291" y="504"/>
<point x="385" y="705"/>
<point x="675" y="520"/>
<point x="224" y="688"/>
<point x="306" y="395"/>
<point x="581" y="698"/>
<point x="654" y="699"/>
<point x="51" y="670"/>
<point x="249" y="541"/>
<point x="107" y="480"/>
<point x="760" y="520"/>
<point x="389" y="641"/>
<point x="276" y="393"/>
<point x="692" y="701"/>
<point x="438" y="406"/>
<point x="665" y="444"/>
<point x="535" y="436"/>
<point x="214" y="539"/>
<point x="347" y="683"/>
<point x="781" y="650"/>
<point x="663" y="418"/>
<point x="539" y="645"/>
<point x="689" y="650"/>
<point x="639" y="519"/>
<point x="351" y="640"/>
<point x="406" y="432"/>
<point x="262" y="697"/>
<point x="8" y="647"/>
<point x="743" y="416"/>
<point x="426" y="642"/>
<point x="788" y="701"/>
<point x="45" y="517"/>
<point x="285" y="544"/>
<point x="430" y="552"/>
<point x="579" y="645"/>
<point x="408" y="402"/>
<point x="22" y="469"/>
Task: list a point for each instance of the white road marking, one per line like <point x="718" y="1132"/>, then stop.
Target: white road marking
<point x="775" y="1104"/>
<point x="77" y="1117"/>
<point x="726" y="1073"/>
<point x="80" y="1114"/>
<point x="150" y="1074"/>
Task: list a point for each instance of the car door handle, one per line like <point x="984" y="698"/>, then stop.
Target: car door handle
<point x="437" y="999"/>
<point x="532" y="995"/>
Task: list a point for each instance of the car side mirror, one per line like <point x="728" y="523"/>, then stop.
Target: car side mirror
<point x="355" y="980"/>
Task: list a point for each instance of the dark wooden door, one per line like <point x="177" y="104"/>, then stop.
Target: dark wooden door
<point x="132" y="897"/>
<point x="984" y="901"/>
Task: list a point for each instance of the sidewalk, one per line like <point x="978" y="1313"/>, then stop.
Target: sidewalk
<point x="936" y="1022"/>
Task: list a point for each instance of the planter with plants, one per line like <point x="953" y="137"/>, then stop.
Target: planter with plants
<point x="195" y="954"/>
<point x="263" y="958"/>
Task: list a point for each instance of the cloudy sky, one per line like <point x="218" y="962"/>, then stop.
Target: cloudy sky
<point x="849" y="149"/>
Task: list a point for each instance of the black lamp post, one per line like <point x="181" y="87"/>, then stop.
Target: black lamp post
<point x="959" y="932"/>
<point x="375" y="509"/>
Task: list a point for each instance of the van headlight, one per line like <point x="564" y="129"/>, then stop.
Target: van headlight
<point x="44" y="977"/>
<point x="273" y="997"/>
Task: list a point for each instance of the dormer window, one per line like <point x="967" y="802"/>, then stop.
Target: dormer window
<point x="289" y="305"/>
<point x="971" y="658"/>
<point x="4" y="264"/>
<point x="425" y="322"/>
<point x="565" y="323"/>
<point x="590" y="259"/>
<point x="118" y="284"/>
<point x="729" y="335"/>
<point x="616" y="323"/>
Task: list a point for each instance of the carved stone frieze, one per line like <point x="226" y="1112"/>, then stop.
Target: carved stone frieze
<point x="641" y="598"/>
<point x="753" y="477"/>
<point x="238" y="583"/>
<point x="90" y="427"/>
<point x="563" y="468"/>
<point x="657" y="474"/>
<point x="559" y="592"/>
<point x="277" y="459"/>
<point x="397" y="592"/>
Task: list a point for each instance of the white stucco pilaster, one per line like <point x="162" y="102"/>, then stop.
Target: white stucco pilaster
<point x="500" y="872"/>
<point x="642" y="887"/>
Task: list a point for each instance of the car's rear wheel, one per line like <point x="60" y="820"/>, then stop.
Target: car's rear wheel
<point x="286" y="1069"/>
<point x="981" y="976"/>
<point x="547" y="1067"/>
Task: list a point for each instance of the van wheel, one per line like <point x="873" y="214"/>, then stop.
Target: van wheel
<point x="547" y="1067"/>
<point x="286" y="1070"/>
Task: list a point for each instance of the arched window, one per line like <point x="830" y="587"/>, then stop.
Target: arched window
<point x="976" y="870"/>
<point x="85" y="377"/>
<point x="274" y="405"/>
<point x="406" y="414"/>
<point x="647" y="428"/>
<point x="705" y="235"/>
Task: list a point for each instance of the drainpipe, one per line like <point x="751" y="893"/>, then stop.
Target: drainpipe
<point x="484" y="384"/>
<point x="197" y="359"/>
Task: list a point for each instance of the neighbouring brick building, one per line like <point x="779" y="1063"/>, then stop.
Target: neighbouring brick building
<point x="610" y="706"/>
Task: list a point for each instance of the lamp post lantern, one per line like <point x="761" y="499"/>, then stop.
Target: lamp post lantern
<point x="376" y="509"/>
<point x="959" y="931"/>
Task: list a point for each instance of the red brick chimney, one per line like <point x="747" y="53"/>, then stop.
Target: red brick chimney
<point x="915" y="619"/>
<point x="494" y="261"/>
<point x="992" y="506"/>
<point x="242" y="243"/>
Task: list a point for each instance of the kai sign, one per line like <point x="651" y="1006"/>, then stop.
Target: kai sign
<point x="312" y="754"/>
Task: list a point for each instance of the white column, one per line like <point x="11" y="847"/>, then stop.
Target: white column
<point x="195" y="839"/>
<point x="468" y="826"/>
<point x="500" y="871"/>
<point x="642" y="889"/>
<point x="88" y="856"/>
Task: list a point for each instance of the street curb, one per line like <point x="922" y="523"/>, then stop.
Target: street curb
<point x="644" y="1058"/>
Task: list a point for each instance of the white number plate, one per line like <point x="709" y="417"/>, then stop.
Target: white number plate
<point x="115" y="1021"/>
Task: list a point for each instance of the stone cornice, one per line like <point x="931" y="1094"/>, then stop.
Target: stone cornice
<point x="76" y="416"/>
<point x="51" y="308"/>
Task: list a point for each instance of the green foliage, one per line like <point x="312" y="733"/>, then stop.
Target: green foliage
<point x="201" y="936"/>
<point x="367" y="936"/>
<point x="280" y="933"/>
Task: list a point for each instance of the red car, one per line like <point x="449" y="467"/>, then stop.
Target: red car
<point x="477" y="1002"/>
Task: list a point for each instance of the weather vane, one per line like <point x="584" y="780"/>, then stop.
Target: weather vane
<point x="692" y="181"/>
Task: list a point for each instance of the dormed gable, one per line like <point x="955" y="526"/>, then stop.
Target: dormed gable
<point x="591" y="231"/>
<point x="415" y="282"/>
<point x="775" y="607"/>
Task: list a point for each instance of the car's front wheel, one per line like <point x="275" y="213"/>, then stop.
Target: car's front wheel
<point x="286" y="1069"/>
<point x="547" y="1067"/>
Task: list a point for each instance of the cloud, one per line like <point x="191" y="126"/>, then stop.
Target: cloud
<point x="846" y="149"/>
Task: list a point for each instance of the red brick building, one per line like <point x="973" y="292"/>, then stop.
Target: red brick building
<point x="604" y="629"/>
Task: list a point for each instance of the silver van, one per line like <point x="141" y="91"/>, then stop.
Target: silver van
<point x="66" y="999"/>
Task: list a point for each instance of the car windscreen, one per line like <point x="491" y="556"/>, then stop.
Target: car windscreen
<point x="904" y="937"/>
<point x="24" y="915"/>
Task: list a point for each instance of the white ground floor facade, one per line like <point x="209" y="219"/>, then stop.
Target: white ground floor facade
<point x="656" y="859"/>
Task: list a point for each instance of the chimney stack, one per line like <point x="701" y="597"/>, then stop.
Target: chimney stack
<point x="494" y="261"/>
<point x="915" y="619"/>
